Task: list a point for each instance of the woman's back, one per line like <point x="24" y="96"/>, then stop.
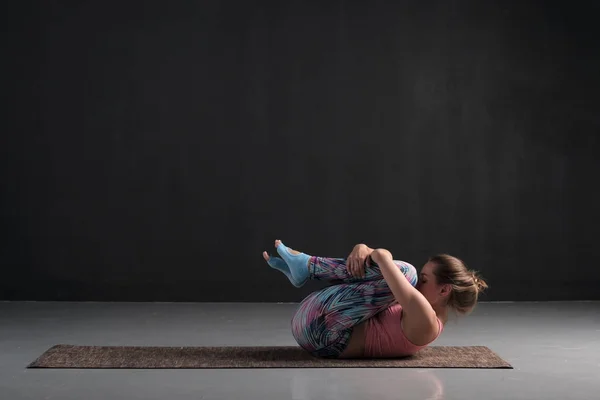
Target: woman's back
<point x="382" y="336"/>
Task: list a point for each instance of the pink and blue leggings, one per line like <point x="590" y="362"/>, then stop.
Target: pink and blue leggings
<point x="322" y="324"/>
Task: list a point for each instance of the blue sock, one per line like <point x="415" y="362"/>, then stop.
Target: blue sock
<point x="280" y="265"/>
<point x="297" y="264"/>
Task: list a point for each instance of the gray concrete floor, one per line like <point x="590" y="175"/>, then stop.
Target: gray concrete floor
<point x="554" y="347"/>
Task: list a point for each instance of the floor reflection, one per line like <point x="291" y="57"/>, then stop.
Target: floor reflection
<point x="389" y="383"/>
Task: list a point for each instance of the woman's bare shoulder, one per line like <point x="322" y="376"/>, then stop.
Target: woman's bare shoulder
<point x="420" y="323"/>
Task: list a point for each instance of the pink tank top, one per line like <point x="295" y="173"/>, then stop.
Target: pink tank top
<point x="384" y="337"/>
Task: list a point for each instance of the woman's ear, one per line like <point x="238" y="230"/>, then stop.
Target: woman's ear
<point x="446" y="290"/>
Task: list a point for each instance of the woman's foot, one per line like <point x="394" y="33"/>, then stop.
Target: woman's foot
<point x="297" y="262"/>
<point x="292" y="269"/>
<point x="280" y="265"/>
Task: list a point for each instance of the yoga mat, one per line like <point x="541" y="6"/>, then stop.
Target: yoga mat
<point x="69" y="356"/>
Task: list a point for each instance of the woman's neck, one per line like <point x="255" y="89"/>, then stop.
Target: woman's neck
<point x="442" y="312"/>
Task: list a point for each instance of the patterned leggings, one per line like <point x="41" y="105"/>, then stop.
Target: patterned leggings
<point x="323" y="323"/>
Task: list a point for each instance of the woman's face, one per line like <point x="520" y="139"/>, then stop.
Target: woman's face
<point x="428" y="285"/>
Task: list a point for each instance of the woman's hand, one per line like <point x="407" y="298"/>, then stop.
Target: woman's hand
<point x="358" y="260"/>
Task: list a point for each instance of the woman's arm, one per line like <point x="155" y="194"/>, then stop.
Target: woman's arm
<point x="419" y="319"/>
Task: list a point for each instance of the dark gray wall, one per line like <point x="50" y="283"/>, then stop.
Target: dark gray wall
<point x="151" y="152"/>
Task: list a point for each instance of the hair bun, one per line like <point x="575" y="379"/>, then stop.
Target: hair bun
<point x="478" y="282"/>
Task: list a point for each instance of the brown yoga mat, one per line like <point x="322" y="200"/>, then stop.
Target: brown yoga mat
<point x="68" y="356"/>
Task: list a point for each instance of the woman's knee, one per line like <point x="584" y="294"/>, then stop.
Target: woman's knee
<point x="411" y="273"/>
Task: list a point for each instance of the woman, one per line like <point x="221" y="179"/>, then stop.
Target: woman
<point x="376" y="307"/>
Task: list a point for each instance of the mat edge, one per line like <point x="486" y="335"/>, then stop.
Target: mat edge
<point x="36" y="364"/>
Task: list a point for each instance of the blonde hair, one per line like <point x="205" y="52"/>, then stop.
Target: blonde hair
<point x="466" y="284"/>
